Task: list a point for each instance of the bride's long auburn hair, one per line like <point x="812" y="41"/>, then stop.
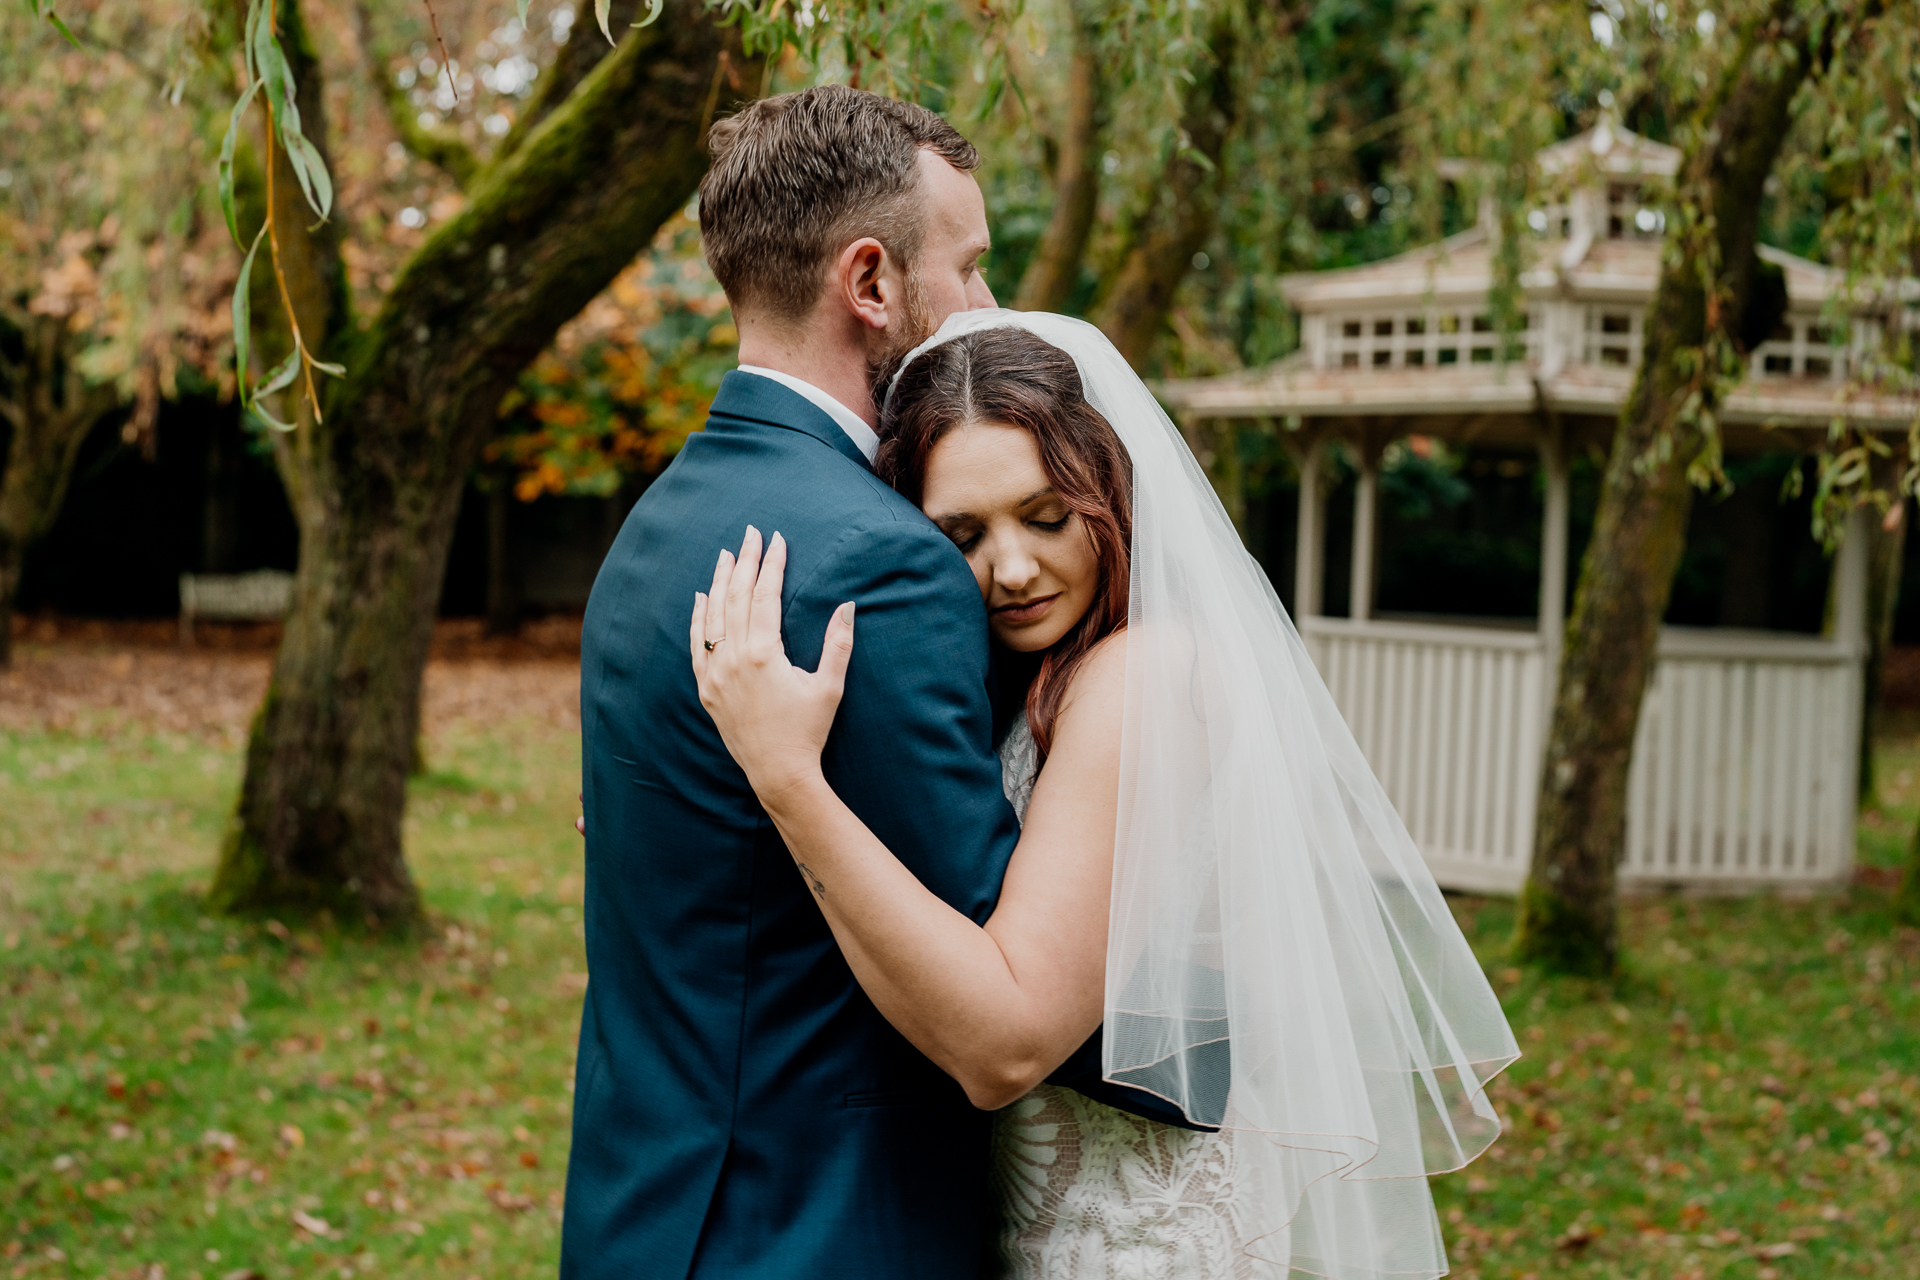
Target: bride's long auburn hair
<point x="1011" y="377"/>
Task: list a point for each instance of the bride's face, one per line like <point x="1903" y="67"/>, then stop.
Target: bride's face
<point x="986" y="489"/>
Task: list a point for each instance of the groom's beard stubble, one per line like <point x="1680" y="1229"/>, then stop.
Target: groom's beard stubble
<point x="918" y="325"/>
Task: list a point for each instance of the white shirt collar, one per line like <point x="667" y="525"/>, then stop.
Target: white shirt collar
<point x="858" y="431"/>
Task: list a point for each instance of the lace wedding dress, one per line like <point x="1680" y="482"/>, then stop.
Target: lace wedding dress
<point x="1088" y="1192"/>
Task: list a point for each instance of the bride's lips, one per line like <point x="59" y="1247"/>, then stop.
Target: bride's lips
<point x="1030" y="611"/>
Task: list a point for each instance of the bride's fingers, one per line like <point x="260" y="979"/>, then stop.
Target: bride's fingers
<point x="697" y="635"/>
<point x="739" y="601"/>
<point x="837" y="650"/>
<point x="763" y="628"/>
<point x="715" y="624"/>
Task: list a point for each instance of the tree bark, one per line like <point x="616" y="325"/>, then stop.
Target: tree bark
<point x="1054" y="273"/>
<point x="1568" y="910"/>
<point x="1180" y="216"/>
<point x="1886" y="561"/>
<point x="376" y="485"/>
<point x="49" y="409"/>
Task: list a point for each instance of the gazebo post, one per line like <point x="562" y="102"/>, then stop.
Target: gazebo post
<point x="1553" y="553"/>
<point x="1851" y="567"/>
<point x="1366" y="526"/>
<point x="1309" y="556"/>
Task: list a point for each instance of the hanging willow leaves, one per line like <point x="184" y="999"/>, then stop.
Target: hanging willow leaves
<point x="243" y="317"/>
<point x="44" y="9"/>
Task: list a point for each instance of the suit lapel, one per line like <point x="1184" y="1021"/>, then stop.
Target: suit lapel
<point x="752" y="398"/>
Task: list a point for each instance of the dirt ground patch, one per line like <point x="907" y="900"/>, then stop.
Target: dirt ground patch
<point x="114" y="679"/>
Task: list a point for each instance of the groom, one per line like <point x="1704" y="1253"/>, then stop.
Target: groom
<point x="741" y="1108"/>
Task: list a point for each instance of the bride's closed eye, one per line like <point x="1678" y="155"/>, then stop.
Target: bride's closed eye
<point x="967" y="536"/>
<point x="964" y="534"/>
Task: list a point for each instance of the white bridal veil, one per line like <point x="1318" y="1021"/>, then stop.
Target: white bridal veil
<point x="1280" y="962"/>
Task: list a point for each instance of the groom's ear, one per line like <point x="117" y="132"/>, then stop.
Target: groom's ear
<point x="863" y="283"/>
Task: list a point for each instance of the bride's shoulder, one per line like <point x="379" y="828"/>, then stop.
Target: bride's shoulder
<point x="1100" y="679"/>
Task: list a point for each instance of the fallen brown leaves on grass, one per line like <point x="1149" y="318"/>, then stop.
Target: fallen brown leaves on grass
<point x="211" y="697"/>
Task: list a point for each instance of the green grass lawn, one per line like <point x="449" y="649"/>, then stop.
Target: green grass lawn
<point x="223" y="1099"/>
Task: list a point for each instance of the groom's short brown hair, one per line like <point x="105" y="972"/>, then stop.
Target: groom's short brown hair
<point x="797" y="177"/>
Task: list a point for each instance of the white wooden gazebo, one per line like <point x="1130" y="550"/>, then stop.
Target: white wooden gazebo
<point x="1744" y="768"/>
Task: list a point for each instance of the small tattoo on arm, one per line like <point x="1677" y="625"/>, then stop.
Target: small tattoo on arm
<point x="815" y="882"/>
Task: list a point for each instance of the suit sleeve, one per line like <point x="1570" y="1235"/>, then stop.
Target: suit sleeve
<point x="911" y="750"/>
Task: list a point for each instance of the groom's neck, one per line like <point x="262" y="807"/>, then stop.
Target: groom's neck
<point x="832" y="362"/>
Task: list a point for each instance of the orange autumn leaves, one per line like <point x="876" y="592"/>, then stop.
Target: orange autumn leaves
<point x="625" y="383"/>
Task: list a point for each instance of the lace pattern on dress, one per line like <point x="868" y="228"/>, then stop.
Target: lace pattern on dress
<point x="1088" y="1192"/>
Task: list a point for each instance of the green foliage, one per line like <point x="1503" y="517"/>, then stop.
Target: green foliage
<point x="1421" y="477"/>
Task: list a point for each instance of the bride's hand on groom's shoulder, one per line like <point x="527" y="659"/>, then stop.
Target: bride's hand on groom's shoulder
<point x="773" y="716"/>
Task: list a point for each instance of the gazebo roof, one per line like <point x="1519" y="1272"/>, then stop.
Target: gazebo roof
<point x="1408" y="336"/>
<point x="1459" y="269"/>
<point x="1611" y="150"/>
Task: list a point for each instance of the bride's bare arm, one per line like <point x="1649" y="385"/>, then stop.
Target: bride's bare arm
<point x="997" y="1007"/>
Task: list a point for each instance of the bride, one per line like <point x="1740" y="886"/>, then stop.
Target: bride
<point x="1208" y="873"/>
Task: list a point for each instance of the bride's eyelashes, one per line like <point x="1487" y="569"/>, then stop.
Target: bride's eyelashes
<point x="967" y="537"/>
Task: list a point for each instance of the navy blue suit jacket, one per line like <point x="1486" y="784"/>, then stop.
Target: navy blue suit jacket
<point x="741" y="1109"/>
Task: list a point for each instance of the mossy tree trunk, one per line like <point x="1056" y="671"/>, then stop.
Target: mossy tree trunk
<point x="376" y="484"/>
<point x="1180" y="215"/>
<point x="1568" y="910"/>
<point x="1054" y="273"/>
<point x="47" y="410"/>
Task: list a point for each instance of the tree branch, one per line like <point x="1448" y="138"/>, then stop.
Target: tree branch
<point x="1054" y="273"/>
<point x="575" y="61"/>
<point x="1186" y="199"/>
<point x="439" y="147"/>
<point x="548" y="226"/>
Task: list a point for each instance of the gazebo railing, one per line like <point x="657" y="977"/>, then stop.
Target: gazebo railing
<point x="1450" y="718"/>
<point x="1743" y="766"/>
<point x="1744" y="763"/>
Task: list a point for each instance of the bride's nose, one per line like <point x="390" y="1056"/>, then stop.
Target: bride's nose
<point x="1014" y="567"/>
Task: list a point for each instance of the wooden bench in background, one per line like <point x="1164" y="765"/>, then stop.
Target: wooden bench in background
<point x="237" y="597"/>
